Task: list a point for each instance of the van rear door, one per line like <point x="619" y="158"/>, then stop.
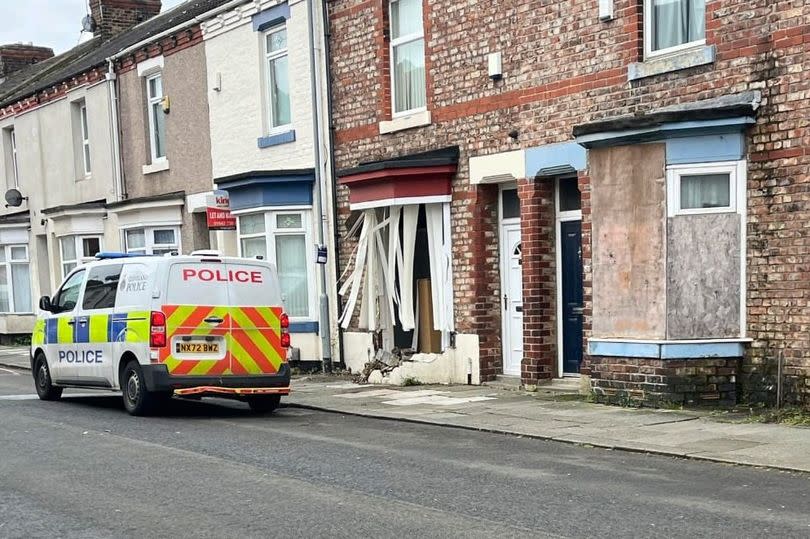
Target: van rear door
<point x="255" y="315"/>
<point x="197" y="320"/>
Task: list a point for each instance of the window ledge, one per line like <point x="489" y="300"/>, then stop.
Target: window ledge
<point x="157" y="166"/>
<point x="698" y="56"/>
<point x="276" y="139"/>
<point x="417" y="119"/>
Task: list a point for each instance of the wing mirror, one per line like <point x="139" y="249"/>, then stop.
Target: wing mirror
<point x="45" y="304"/>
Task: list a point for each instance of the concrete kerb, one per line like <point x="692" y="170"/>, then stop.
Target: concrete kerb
<point x="578" y="442"/>
<point x="15" y="366"/>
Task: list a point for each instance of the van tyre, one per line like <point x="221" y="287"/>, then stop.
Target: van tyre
<point x="42" y="379"/>
<point x="266" y="404"/>
<point x="137" y="400"/>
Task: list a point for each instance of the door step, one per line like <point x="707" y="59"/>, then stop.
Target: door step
<point x="560" y="386"/>
<point x="506" y="381"/>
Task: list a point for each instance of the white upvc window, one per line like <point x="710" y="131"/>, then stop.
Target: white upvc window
<point x="85" y="140"/>
<point x="157" y="240"/>
<point x="277" y="78"/>
<point x="78" y="250"/>
<point x="407" y="52"/>
<point x="706" y="188"/>
<point x="284" y="238"/>
<point x="157" y="118"/>
<point x="673" y="25"/>
<point x="15" y="279"/>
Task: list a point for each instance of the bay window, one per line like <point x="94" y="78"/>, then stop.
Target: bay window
<point x="283" y="238"/>
<point x="152" y="240"/>
<point x="78" y="250"/>
<point x="672" y="25"/>
<point x="15" y="279"/>
<point x="277" y="77"/>
<point x="408" y="84"/>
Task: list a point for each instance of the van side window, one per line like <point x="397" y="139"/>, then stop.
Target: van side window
<point x="68" y="295"/>
<point x="102" y="287"/>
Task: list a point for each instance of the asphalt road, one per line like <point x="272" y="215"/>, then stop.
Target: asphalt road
<point x="83" y="468"/>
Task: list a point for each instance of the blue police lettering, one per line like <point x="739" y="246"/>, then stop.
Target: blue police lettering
<point x="83" y="356"/>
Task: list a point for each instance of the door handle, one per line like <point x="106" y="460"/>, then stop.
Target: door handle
<point x="578" y="310"/>
<point x="72" y="322"/>
<point x="83" y="321"/>
<point x="505" y="301"/>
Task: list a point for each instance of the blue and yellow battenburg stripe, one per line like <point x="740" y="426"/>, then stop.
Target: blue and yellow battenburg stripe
<point x="100" y="328"/>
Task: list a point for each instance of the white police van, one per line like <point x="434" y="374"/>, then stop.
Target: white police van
<point x="157" y="326"/>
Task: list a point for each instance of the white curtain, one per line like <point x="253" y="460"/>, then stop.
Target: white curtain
<point x="705" y="191"/>
<point x="676" y="22"/>
<point x="21" y="286"/>
<point x="409" y="75"/>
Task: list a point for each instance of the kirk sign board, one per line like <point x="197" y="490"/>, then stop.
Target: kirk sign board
<point x="218" y="212"/>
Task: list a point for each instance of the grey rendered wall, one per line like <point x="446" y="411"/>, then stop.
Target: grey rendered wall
<point x="629" y="214"/>
<point x="188" y="145"/>
<point x="703" y="276"/>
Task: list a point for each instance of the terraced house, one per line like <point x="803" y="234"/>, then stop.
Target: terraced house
<point x="613" y="191"/>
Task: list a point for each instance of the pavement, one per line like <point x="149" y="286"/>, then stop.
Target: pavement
<point x="82" y="468"/>
<point x="697" y="435"/>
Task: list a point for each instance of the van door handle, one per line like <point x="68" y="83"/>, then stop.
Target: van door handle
<point x="72" y="322"/>
<point x="213" y="320"/>
<point x="83" y="321"/>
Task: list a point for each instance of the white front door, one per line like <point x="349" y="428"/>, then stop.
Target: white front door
<point x="512" y="300"/>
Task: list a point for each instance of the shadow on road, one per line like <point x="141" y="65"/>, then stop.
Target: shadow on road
<point x="174" y="408"/>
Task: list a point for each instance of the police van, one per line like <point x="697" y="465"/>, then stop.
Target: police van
<point x="157" y="326"/>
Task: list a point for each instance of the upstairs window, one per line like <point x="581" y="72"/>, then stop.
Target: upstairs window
<point x="408" y="91"/>
<point x="277" y="74"/>
<point x="81" y="139"/>
<point x="10" y="150"/>
<point x="673" y="25"/>
<point x="85" y="140"/>
<point x="157" y="118"/>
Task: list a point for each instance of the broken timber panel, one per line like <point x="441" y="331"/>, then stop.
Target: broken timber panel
<point x="703" y="276"/>
<point x="628" y="199"/>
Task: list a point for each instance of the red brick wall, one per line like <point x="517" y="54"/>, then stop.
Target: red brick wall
<point x="563" y="67"/>
<point x="115" y="16"/>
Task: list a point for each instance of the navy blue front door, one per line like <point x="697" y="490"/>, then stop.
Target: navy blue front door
<point x="571" y="266"/>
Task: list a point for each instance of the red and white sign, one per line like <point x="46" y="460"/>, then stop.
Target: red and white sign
<point x="218" y="212"/>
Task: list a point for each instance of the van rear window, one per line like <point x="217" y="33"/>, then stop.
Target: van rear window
<point x="222" y="284"/>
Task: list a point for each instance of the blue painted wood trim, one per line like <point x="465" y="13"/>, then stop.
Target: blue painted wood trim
<point x="705" y="149"/>
<point x="665" y="131"/>
<point x="271" y="17"/>
<point x="666" y="350"/>
<point x="303" y="327"/>
<point x="275" y="140"/>
<point x="555" y="159"/>
<point x="623" y="349"/>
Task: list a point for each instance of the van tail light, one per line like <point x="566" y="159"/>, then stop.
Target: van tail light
<point x="285" y="330"/>
<point x="157" y="329"/>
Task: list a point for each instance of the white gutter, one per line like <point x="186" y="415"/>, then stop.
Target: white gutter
<point x="118" y="173"/>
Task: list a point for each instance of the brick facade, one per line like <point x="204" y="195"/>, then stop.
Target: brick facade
<point x="115" y="16"/>
<point x="17" y="56"/>
<point x="563" y="67"/>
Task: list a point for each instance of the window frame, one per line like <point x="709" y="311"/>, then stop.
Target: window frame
<point x="83" y="298"/>
<point x="736" y="179"/>
<point x="648" y="32"/>
<point x="150" y="102"/>
<point x="81" y="258"/>
<point x="268" y="88"/>
<point x="8" y="262"/>
<point x="271" y="231"/>
<point x="12" y="153"/>
<point x="149" y="240"/>
<point x="392" y="44"/>
<point x="84" y="128"/>
<point x="76" y="271"/>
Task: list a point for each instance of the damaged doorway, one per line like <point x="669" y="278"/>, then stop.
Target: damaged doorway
<point x="570" y="304"/>
<point x="511" y="267"/>
<point x="401" y="276"/>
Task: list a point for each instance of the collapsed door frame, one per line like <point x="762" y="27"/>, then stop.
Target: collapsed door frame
<point x="559" y="218"/>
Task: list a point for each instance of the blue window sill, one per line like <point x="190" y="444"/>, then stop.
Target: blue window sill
<point x="275" y="140"/>
<point x="303" y="327"/>
<point x="668" y="349"/>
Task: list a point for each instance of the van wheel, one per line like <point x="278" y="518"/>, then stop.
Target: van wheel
<point x="265" y="404"/>
<point x="137" y="400"/>
<point x="42" y="379"/>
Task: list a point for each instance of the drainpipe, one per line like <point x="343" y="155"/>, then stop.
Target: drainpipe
<point x="324" y="327"/>
<point x="119" y="191"/>
<point x="327" y="62"/>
